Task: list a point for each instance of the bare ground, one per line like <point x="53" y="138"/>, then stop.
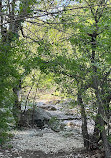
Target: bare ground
<point x="46" y="144"/>
<point x="80" y="153"/>
<point x="33" y="143"/>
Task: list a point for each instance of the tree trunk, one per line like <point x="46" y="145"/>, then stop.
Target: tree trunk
<point x="84" y="122"/>
<point x="17" y="105"/>
<point x="105" y="141"/>
<point x="102" y="125"/>
<point x="1" y="18"/>
<point x="96" y="137"/>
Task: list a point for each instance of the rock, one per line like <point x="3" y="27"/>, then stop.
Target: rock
<point x="38" y="134"/>
<point x="37" y="117"/>
<point x="41" y="114"/>
<point x="50" y="107"/>
<point x="1" y="154"/>
<point x="53" y="102"/>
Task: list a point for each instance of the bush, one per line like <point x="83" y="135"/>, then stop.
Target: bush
<point x="56" y="124"/>
<point x="4" y="125"/>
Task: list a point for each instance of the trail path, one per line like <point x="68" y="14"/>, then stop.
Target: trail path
<point x="46" y="143"/>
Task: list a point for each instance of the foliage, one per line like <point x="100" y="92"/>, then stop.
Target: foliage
<point x="55" y="124"/>
<point x="5" y="121"/>
<point x="70" y="47"/>
<point x="109" y="138"/>
<point x="83" y="65"/>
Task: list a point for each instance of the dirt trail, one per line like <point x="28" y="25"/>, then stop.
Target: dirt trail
<point x="46" y="143"/>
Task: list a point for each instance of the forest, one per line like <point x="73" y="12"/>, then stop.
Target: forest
<point x="56" y="50"/>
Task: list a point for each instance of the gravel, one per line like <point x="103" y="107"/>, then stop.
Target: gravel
<point x="46" y="140"/>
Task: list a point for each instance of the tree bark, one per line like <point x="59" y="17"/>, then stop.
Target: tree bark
<point x="84" y="122"/>
<point x="1" y="18"/>
<point x="101" y="114"/>
<point x="17" y="104"/>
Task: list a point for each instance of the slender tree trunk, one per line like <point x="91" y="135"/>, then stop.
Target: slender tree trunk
<point x="95" y="138"/>
<point x="1" y="18"/>
<point x="17" y="104"/>
<point x="14" y="28"/>
<point x="104" y="136"/>
<point x="84" y="122"/>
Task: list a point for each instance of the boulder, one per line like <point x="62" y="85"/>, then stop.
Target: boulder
<point x="50" y="108"/>
<point x="34" y="117"/>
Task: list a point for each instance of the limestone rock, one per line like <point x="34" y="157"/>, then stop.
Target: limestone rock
<point x="37" y="117"/>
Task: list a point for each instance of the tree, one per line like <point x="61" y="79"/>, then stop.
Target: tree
<point x="82" y="57"/>
<point x="91" y="50"/>
<point x="13" y="15"/>
<point x="88" y="39"/>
